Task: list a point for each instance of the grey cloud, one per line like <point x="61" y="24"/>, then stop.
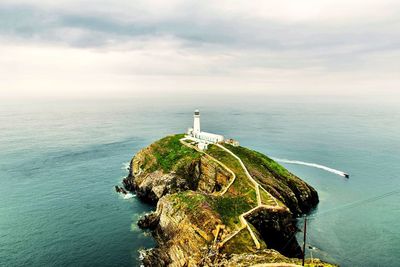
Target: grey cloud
<point x="296" y="44"/>
<point x="28" y="22"/>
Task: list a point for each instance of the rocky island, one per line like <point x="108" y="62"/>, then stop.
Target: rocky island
<point x="222" y="206"/>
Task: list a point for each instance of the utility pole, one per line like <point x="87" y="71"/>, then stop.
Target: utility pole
<point x="304" y="239"/>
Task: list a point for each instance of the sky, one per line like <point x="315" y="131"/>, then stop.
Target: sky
<point x="125" y="48"/>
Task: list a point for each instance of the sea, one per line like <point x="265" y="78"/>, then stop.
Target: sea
<point x="60" y="161"/>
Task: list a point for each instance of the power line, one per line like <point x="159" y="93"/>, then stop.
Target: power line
<point x="350" y="205"/>
<point x="357" y="203"/>
<point x="290" y="239"/>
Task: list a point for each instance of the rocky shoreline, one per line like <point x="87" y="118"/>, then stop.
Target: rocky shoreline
<point x="188" y="223"/>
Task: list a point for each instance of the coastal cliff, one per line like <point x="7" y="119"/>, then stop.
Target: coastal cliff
<point x="225" y="206"/>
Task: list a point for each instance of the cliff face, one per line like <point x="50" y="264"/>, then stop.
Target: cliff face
<point x="200" y="204"/>
<point x="150" y="183"/>
<point x="182" y="235"/>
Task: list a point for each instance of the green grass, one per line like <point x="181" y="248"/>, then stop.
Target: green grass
<point x="190" y="200"/>
<point x="266" y="199"/>
<point x="254" y="158"/>
<point x="241" y="243"/>
<point x="170" y="154"/>
<point x="242" y="185"/>
<point x="230" y="208"/>
<point x="240" y="197"/>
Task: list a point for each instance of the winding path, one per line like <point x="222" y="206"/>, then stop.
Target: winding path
<point x="256" y="186"/>
<point x="214" y="159"/>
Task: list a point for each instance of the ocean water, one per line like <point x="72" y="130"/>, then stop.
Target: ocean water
<point x="59" y="162"/>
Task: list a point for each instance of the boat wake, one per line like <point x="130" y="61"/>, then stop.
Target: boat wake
<point x="313" y="165"/>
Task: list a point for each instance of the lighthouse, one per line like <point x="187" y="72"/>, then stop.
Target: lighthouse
<point x="203" y="139"/>
<point x="196" y="122"/>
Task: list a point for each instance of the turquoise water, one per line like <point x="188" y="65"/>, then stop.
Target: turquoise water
<point x="59" y="162"/>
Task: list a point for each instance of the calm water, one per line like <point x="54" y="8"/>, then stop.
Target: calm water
<point x="60" y="161"/>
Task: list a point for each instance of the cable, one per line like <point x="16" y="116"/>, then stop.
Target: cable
<point x="352" y="205"/>
<point x="357" y="203"/>
<point x="290" y="239"/>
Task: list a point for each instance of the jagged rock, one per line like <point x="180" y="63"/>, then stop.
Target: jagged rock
<point x="202" y="174"/>
<point x="128" y="183"/>
<point x="277" y="230"/>
<point x="181" y="239"/>
<point x="185" y="185"/>
<point x="121" y="190"/>
<point x="155" y="257"/>
<point x="149" y="221"/>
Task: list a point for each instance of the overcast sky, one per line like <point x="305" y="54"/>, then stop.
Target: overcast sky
<point x="68" y="48"/>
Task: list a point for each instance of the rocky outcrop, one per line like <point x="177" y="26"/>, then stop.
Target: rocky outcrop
<point x="299" y="197"/>
<point x="150" y="187"/>
<point x="182" y="239"/>
<point x="277" y="229"/>
<point x="259" y="259"/>
<point x="120" y="189"/>
<point x="190" y="212"/>
<point x="212" y="177"/>
<point x="202" y="175"/>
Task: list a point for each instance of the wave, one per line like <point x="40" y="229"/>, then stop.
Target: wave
<point x="125" y="166"/>
<point x="142" y="254"/>
<point x="129" y="196"/>
<point x="312" y="165"/>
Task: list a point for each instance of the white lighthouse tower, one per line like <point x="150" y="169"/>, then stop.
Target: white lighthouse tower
<point x="196" y="122"/>
<point x="202" y="138"/>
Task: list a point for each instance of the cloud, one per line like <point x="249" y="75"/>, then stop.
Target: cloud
<point x="287" y="25"/>
<point x="262" y="46"/>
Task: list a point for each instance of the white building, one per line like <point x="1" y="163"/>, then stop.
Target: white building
<point x="203" y="138"/>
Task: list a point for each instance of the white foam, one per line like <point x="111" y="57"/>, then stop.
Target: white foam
<point x="311" y="165"/>
<point x="142" y="253"/>
<point x="128" y="196"/>
<point x="125" y="166"/>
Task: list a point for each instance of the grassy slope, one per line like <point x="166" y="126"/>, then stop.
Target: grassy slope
<point x="241" y="196"/>
<point x="253" y="158"/>
<point x="226" y="208"/>
<point x="242" y="185"/>
<point x="271" y="175"/>
<point x="168" y="154"/>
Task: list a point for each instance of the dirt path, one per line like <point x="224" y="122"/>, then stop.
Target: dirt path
<point x="214" y="159"/>
<point x="256" y="186"/>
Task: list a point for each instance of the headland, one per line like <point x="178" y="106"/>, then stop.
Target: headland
<point x="219" y="205"/>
